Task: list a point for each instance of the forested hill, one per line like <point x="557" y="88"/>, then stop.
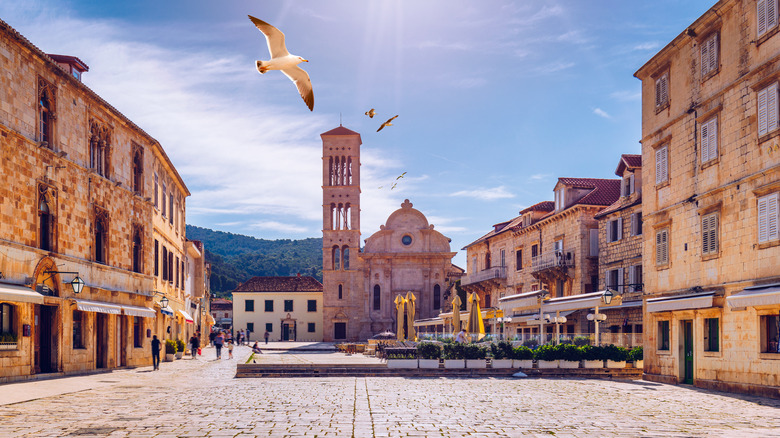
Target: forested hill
<point x="236" y="258"/>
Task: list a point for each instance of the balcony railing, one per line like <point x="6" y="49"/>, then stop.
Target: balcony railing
<point x="498" y="272"/>
<point x="552" y="259"/>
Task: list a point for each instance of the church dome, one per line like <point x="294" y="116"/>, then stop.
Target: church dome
<point x="407" y="231"/>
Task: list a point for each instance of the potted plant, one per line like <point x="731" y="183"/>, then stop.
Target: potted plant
<point x="401" y="359"/>
<point x="636" y="355"/>
<point x="522" y="357"/>
<point x="616" y="356"/>
<point x="180" y="347"/>
<point x="475" y="355"/>
<point x="429" y="353"/>
<point x="170" y="350"/>
<point x="454" y="355"/>
<point x="592" y="357"/>
<point x="8" y="341"/>
<point x="501" y="353"/>
<point x="581" y="340"/>
<point x="547" y="356"/>
<point x="531" y="343"/>
<point x="570" y="356"/>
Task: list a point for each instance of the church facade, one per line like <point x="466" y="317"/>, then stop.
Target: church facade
<point x="406" y="254"/>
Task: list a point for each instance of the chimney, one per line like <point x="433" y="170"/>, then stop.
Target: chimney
<point x="299" y="274"/>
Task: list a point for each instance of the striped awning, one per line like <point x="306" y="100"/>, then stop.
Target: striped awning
<point x="186" y="316"/>
<point x="525" y="299"/>
<point x="680" y="302"/>
<point x="756" y="296"/>
<point x="574" y="302"/>
<point x="98" y="307"/>
<point x="166" y="310"/>
<point x="19" y="294"/>
<point x="139" y="311"/>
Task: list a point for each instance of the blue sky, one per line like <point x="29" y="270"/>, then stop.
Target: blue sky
<point x="496" y="99"/>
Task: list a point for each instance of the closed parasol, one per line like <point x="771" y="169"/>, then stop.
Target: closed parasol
<point x="456" y="303"/>
<point x="410" y="309"/>
<point x="399" y="307"/>
<point x="476" y="325"/>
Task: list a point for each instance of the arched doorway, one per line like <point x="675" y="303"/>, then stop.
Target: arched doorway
<point x="46" y="318"/>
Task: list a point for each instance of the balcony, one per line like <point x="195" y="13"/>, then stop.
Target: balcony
<point x="496" y="273"/>
<point x="559" y="260"/>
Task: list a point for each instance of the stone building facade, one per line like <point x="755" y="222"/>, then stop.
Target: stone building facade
<point x="75" y="202"/>
<point x="406" y="254"/>
<point x="711" y="245"/>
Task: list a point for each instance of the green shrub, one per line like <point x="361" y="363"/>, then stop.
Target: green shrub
<point x="590" y="352"/>
<point x="474" y="351"/>
<point x="180" y="346"/>
<point x="522" y="353"/>
<point x="429" y="350"/>
<point x="615" y="353"/>
<point x="563" y="340"/>
<point x="546" y="352"/>
<point x="170" y="346"/>
<point x="453" y="350"/>
<point x="558" y="352"/>
<point x="569" y="352"/>
<point x="636" y="353"/>
<point x="501" y="350"/>
<point x="581" y="340"/>
<point x="8" y="337"/>
<point x="531" y="343"/>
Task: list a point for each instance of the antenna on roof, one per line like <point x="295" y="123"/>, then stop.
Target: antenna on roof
<point x="340" y="119"/>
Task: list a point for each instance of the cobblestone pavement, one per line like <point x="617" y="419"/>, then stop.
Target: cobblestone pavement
<point x="195" y="398"/>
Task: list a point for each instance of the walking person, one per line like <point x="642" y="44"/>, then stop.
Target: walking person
<point x="218" y="341"/>
<point x="212" y="335"/>
<point x="155" y="353"/>
<point x="230" y="349"/>
<point x="194" y="345"/>
<point x="266" y="336"/>
<point x="247" y="332"/>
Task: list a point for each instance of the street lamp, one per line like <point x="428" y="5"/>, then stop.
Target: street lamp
<point x="163" y="300"/>
<point x="607" y="296"/>
<point x="77" y="283"/>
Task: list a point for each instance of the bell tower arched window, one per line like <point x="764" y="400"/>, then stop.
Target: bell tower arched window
<point x="345" y="257"/>
<point x="336" y="253"/>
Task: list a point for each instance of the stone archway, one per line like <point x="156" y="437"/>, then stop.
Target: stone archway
<point x="43" y="283"/>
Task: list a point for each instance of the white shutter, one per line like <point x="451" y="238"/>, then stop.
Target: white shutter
<point x="761" y="16"/>
<point x="709" y="55"/>
<point x="661" y="173"/>
<point x="632" y="278"/>
<point x="767" y="218"/>
<point x="619" y="228"/>
<point x="705" y="141"/>
<point x="620" y="281"/>
<point x="713" y="140"/>
<point x="631" y="188"/>
<point x="662" y="247"/>
<point x="771" y="107"/>
<point x="762" y="122"/>
<point x="771" y="14"/>
<point x="714" y="233"/>
<point x="594" y="242"/>
<point x="662" y="90"/>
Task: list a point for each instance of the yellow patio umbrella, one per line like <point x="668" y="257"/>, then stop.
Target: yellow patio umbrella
<point x="410" y="308"/>
<point x="456" y="314"/>
<point x="399" y="307"/>
<point x="476" y="325"/>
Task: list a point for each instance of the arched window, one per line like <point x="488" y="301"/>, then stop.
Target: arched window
<point x="487" y="260"/>
<point x="138" y="171"/>
<point x="137" y="250"/>
<point x="330" y="171"/>
<point x="345" y="257"/>
<point x="437" y="297"/>
<point x="333" y="213"/>
<point x="337" y="173"/>
<point x="44" y="116"/>
<point x="347" y="219"/>
<point x="7" y="326"/>
<point x="377" y="297"/>
<point x="44" y="225"/>
<point x="336" y="258"/>
<point x="349" y="171"/>
<point x="341" y="292"/>
<point x="101" y="236"/>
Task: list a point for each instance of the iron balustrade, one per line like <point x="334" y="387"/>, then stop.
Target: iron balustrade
<point x="486" y="274"/>
<point x="552" y="259"/>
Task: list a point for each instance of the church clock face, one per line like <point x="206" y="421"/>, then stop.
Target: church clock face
<point x="406" y="240"/>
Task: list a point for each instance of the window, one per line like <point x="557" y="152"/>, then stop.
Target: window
<point x="768" y="229"/>
<point x="288" y="305"/>
<point x="519" y="259"/>
<point x="766" y="15"/>
<point x="269" y="305"/>
<point x="170" y="208"/>
<point x="662" y="91"/>
<point x="502" y="255"/>
<point x="636" y="224"/>
<point x="156" y="258"/>
<point x="711" y="334"/>
<point x="635" y="278"/>
<point x="182" y="273"/>
<point x="377" y="297"/>
<point x="311" y="327"/>
<point x="345" y="253"/>
<point x="709" y="55"/>
<point x="156" y="190"/>
<point x="770" y="334"/>
<point x="615" y="230"/>
<point x="45" y="225"/>
<point x="534" y="250"/>
<point x="336" y="258"/>
<point x="662" y="247"/>
<point x="99" y="148"/>
<point x="269" y="327"/>
<point x="341" y="292"/>
<point x="78" y="329"/>
<point x="249" y="306"/>
<point x="165" y="263"/>
<point x="138" y="253"/>
<point x="767" y="110"/>
<point x="594" y="242"/>
<point x="170" y="267"/>
<point x="138" y="329"/>
<point x="661" y="165"/>
<point x="7" y="326"/>
<point x="487" y="300"/>
<point x="138" y="170"/>
<point x="176" y="280"/>
<point x="614" y="279"/>
<point x="311" y="305"/>
<point x="164" y="198"/>
<point x="406" y="240"/>
<point x="436" y="297"/>
<point x="559" y="199"/>
<point x="45" y="112"/>
<point x="663" y="335"/>
<point x="709" y="140"/>
<point x="627" y="188"/>
<point x="101" y="235"/>
<point x="709" y="234"/>
<point x="250" y="327"/>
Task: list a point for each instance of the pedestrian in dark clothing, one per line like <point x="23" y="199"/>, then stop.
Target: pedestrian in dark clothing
<point x="194" y="345"/>
<point x="155" y="352"/>
<point x="266" y="336"/>
<point x="212" y="335"/>
<point x="218" y="341"/>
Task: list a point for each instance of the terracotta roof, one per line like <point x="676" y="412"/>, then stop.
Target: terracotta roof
<point x="628" y="161"/>
<point x="541" y="206"/>
<point x="65" y="59"/>
<point x="340" y="131"/>
<point x="605" y="191"/>
<point x="280" y="284"/>
<point x="622" y="203"/>
<point x="496" y="231"/>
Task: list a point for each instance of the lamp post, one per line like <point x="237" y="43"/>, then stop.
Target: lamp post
<point x="597" y="317"/>
<point x="77" y="284"/>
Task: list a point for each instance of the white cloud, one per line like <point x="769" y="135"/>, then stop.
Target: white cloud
<point x="626" y="96"/>
<point x="601" y="113"/>
<point x="554" y="67"/>
<point x="647" y="46"/>
<point x="539" y="177"/>
<point x="489" y="194"/>
<point x="278" y="226"/>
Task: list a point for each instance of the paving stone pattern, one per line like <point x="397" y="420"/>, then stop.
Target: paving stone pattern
<point x="197" y="398"/>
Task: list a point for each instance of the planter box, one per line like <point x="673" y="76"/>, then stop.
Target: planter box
<point x="593" y="364"/>
<point x="613" y="364"/>
<point x="639" y="364"/>
<point x="179" y="354"/>
<point x="8" y="345"/>
<point x="169" y="357"/>
<point x="569" y="364"/>
<point x="502" y="363"/>
<point x="523" y="363"/>
<point x="402" y="363"/>
<point x="454" y="363"/>
<point x="429" y="363"/>
<point x="476" y="363"/>
<point x="547" y="363"/>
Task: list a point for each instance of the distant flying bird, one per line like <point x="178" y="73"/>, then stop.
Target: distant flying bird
<point x="387" y="123"/>
<point x="400" y="176"/>
<point x="282" y="60"/>
<point x="370" y="113"/>
<point x="391" y="188"/>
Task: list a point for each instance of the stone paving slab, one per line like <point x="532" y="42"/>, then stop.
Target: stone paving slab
<point x="190" y="398"/>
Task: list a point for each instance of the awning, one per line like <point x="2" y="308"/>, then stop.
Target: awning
<point x="525" y="299"/>
<point x="210" y="319"/>
<point x="19" y="294"/>
<point x="574" y="302"/>
<point x="186" y="316"/>
<point x="625" y="305"/>
<point x="680" y="302"/>
<point x="139" y="311"/>
<point x="534" y="319"/>
<point x="99" y="307"/>
<point x="756" y="296"/>
<point x="166" y="310"/>
<point x="428" y="322"/>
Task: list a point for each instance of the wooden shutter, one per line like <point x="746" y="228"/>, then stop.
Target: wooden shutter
<point x="661" y="172"/>
<point x="662" y="90"/>
<point x="767" y="218"/>
<point x="709" y="140"/>
<point x="631" y="184"/>
<point x="631" y="278"/>
<point x="620" y="282"/>
<point x="767" y="109"/>
<point x="619" y="228"/>
<point x="709" y="55"/>
<point x="709" y="234"/>
<point x="761" y="16"/>
<point x="771" y="14"/>
<point x="662" y="247"/>
<point x="594" y="242"/>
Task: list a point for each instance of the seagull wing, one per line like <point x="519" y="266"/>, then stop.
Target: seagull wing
<point x="302" y="81"/>
<point x="273" y="36"/>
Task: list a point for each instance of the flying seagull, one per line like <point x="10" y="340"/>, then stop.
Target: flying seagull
<point x="370" y="113"/>
<point x="282" y="60"/>
<point x="387" y="123"/>
<point x="400" y="176"/>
